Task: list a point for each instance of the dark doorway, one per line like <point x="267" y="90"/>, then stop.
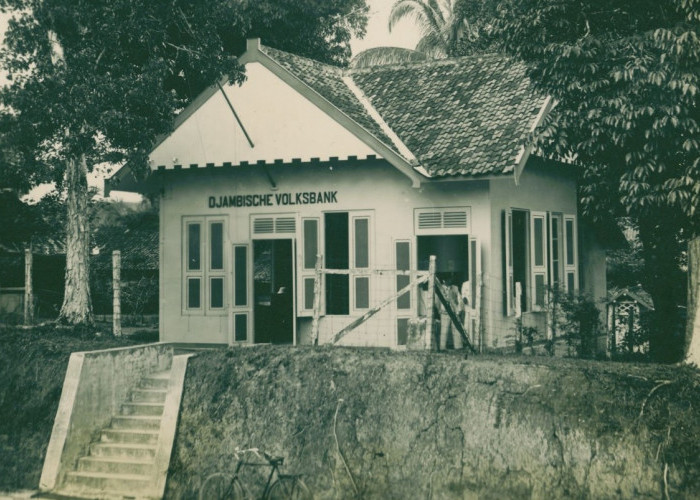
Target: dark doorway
<point x="452" y="257"/>
<point x="273" y="308"/>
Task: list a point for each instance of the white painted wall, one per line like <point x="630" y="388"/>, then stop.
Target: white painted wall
<point x="281" y="123"/>
<point x="378" y="187"/>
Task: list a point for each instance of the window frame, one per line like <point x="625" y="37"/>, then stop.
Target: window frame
<point x="545" y="270"/>
<point x="363" y="272"/>
<point x="573" y="267"/>
<point x="353" y="272"/>
<point x="305" y="274"/>
<point x="205" y="273"/>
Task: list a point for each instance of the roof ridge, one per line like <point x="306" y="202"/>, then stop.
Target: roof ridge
<point x="427" y="63"/>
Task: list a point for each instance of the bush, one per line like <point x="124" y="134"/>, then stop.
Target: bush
<point x="577" y="318"/>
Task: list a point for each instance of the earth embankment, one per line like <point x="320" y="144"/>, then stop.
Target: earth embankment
<point x="372" y="423"/>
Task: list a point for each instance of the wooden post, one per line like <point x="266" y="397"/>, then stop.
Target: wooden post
<point x="548" y="316"/>
<point x="442" y="293"/>
<point x="518" y="299"/>
<point x="28" y="292"/>
<point x="317" y="299"/>
<point x="477" y="307"/>
<point x="116" y="288"/>
<point x="430" y="303"/>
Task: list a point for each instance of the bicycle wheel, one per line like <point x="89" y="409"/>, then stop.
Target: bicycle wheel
<point x="220" y="486"/>
<point x="289" y="488"/>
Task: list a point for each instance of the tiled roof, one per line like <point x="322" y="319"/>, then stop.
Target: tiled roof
<point x="459" y="117"/>
<point x="466" y="116"/>
<point x="327" y="80"/>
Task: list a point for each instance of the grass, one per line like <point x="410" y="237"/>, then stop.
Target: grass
<point x="32" y="367"/>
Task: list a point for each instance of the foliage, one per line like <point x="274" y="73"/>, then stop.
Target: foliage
<point x="33" y="364"/>
<point x="524" y="335"/>
<point x="96" y="81"/>
<point x="448" y="28"/>
<point x="625" y="76"/>
<point x="386" y="55"/>
<point x="577" y="318"/>
<point x="439" y="24"/>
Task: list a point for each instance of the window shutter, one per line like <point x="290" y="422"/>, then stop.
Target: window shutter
<point x="570" y="253"/>
<point x="285" y="225"/>
<point x="507" y="251"/>
<point x="274" y="225"/>
<point x="454" y="220"/>
<point x="264" y="225"/>
<point x="538" y="259"/>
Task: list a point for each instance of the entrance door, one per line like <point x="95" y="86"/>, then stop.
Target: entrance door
<point x="273" y="278"/>
<point x="452" y="257"/>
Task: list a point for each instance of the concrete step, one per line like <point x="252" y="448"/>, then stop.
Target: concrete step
<point x="129" y="436"/>
<point x="107" y="483"/>
<point x="136" y="422"/>
<point x="143" y="409"/>
<point x="123" y="450"/>
<point x="149" y="395"/>
<point x="156" y="381"/>
<point x="116" y="465"/>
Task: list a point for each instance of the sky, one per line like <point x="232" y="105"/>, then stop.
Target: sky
<point x="403" y="35"/>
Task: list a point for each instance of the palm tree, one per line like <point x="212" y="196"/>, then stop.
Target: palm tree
<point x="441" y="27"/>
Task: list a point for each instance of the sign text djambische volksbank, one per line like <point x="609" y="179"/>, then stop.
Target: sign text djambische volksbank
<point x="274" y="199"/>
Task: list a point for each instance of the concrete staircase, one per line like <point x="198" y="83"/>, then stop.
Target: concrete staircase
<point x="122" y="462"/>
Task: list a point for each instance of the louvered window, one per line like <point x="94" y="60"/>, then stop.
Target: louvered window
<point x="285" y="225"/>
<point x="264" y="225"/>
<point x="274" y="225"/>
<point x="453" y="220"/>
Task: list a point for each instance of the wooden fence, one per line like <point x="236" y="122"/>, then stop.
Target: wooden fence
<point x="418" y="277"/>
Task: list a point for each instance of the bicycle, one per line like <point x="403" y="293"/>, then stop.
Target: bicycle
<point x="220" y="485"/>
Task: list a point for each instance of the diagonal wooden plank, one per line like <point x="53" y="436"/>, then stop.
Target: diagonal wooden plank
<point x="376" y="309"/>
<point x="441" y="294"/>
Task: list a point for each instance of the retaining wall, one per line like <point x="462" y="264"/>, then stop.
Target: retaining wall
<point x="96" y="384"/>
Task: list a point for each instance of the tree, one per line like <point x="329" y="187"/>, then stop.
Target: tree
<point x="448" y="28"/>
<point x="98" y="80"/>
<point x="626" y="79"/>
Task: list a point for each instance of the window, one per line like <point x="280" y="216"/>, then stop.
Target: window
<point x="453" y="220"/>
<point x="240" y="276"/>
<point x="193" y="265"/>
<point x="204" y="279"/>
<point x="403" y="263"/>
<point x="361" y="261"/>
<point x="310" y="249"/>
<point x="539" y="251"/>
<point x="570" y="266"/>
<point x="337" y="252"/>
<point x="347" y="248"/>
<point x="538" y="266"/>
<point x="240" y="327"/>
<point x="216" y="265"/>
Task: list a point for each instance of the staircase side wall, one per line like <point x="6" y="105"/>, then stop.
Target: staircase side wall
<point x="96" y="384"/>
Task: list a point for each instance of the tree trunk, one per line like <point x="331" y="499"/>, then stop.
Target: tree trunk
<point x="77" y="306"/>
<point x="692" y="331"/>
<point x="665" y="282"/>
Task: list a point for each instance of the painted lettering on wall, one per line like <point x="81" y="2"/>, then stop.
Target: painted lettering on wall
<point x="274" y="199"/>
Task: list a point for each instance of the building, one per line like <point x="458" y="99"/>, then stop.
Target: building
<point x="627" y="309"/>
<point x="375" y="170"/>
